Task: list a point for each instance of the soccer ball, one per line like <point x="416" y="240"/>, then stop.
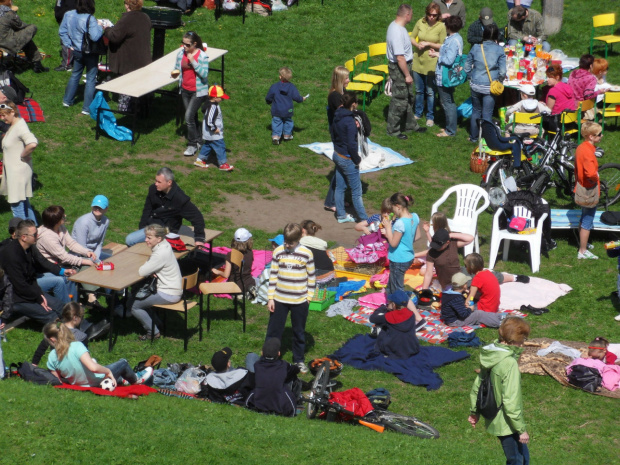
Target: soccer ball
<point x="108" y="385"/>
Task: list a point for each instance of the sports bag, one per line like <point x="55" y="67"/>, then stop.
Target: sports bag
<point x="90" y="46"/>
<point x="485" y="402"/>
<point x="37" y="375"/>
<point x="454" y="75"/>
<point x="611" y="218"/>
<point x="587" y="378"/>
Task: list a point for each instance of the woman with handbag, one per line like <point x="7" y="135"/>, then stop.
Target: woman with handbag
<point x="164" y="280"/>
<point x="486" y="68"/>
<point x="78" y="32"/>
<point x="588" y="186"/>
<point x="450" y="50"/>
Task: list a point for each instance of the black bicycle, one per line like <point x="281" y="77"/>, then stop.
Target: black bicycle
<point x="378" y="420"/>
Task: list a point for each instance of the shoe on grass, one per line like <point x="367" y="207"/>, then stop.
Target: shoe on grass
<point x="617" y="318"/>
<point x="346" y="219"/>
<point x="586" y="255"/>
<point x="303" y="368"/>
<point x="275" y="141"/>
<point x="144" y="375"/>
<point x="522" y="279"/>
<point x="287" y="138"/>
<point x="420" y="324"/>
<point x="430" y="123"/>
<point x="201" y="163"/>
<point x="226" y="167"/>
<point x="190" y="151"/>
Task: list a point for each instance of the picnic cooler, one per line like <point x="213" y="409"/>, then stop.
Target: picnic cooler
<point x="322" y="299"/>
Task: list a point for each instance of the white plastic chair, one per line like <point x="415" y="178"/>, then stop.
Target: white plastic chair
<point x="466" y="213"/>
<point x="533" y="239"/>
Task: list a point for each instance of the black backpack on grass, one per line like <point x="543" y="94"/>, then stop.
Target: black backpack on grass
<point x="28" y="372"/>
<point x="485" y="402"/>
<point x="587" y="378"/>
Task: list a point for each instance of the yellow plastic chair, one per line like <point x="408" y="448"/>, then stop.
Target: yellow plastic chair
<point x="611" y="107"/>
<point x="375" y="50"/>
<point x="361" y="62"/>
<point x="364" y="87"/>
<point x="526" y="118"/>
<point x="569" y="118"/>
<point x="608" y="19"/>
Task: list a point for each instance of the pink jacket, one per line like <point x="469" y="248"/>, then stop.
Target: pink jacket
<point x="610" y="373"/>
<point x="583" y="83"/>
<point x="52" y="246"/>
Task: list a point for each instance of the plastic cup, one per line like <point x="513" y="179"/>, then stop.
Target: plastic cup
<point x="519" y="75"/>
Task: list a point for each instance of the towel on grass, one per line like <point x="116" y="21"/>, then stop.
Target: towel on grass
<point x="378" y="158"/>
<point x="359" y="352"/>
<point x="121" y="391"/>
<point x="537" y="293"/>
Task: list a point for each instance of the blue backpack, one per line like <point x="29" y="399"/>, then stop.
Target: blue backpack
<point x="463" y="339"/>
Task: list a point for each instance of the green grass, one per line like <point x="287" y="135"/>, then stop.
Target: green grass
<point x="42" y="425"/>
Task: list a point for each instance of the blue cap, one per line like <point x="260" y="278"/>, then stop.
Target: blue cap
<point x="400" y="298"/>
<point x="100" y="201"/>
<point x="279" y="239"/>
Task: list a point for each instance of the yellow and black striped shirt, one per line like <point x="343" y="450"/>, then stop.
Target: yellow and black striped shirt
<point x="292" y="276"/>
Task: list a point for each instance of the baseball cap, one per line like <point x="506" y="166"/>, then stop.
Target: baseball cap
<point x="100" y="201"/>
<point x="279" y="239"/>
<point x="440" y="238"/>
<point x="242" y="235"/>
<point x="460" y="279"/>
<point x="220" y="359"/>
<point x="9" y="92"/>
<point x="271" y="347"/>
<point x="217" y="91"/>
<point x="528" y="89"/>
<point x="486" y="16"/>
<point x="400" y="298"/>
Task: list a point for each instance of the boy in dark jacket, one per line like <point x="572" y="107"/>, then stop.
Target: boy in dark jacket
<point x="275" y="383"/>
<point x="281" y="96"/>
<point x="226" y="384"/>
<point x="455" y="313"/>
<point x="398" y="321"/>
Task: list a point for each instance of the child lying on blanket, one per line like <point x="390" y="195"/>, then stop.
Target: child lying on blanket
<point x="455" y="313"/>
<point x="596" y="358"/>
<point x="598" y="350"/>
<point x="396" y="325"/>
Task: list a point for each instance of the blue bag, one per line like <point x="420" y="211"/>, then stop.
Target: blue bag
<point x="107" y="119"/>
<point x="454" y="75"/>
<point x="463" y="339"/>
<point x="464" y="109"/>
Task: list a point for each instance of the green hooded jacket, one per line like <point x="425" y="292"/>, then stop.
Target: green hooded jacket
<point x="502" y="360"/>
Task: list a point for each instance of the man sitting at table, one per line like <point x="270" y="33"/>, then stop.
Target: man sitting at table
<point x="18" y="261"/>
<point x="527" y="25"/>
<point x="167" y="205"/>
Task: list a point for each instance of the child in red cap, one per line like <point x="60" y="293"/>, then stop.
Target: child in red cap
<point x="213" y="131"/>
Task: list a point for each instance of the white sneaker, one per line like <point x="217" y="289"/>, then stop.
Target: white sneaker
<point x="144" y="375"/>
<point x="430" y="123"/>
<point x="190" y="151"/>
<point x="586" y="255"/>
<point x="303" y="368"/>
<point x="617" y="318"/>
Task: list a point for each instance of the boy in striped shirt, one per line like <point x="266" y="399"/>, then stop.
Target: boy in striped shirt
<point x="291" y="287"/>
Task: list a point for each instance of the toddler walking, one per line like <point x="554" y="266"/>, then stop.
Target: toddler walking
<point x="281" y="96"/>
<point x="213" y="131"/>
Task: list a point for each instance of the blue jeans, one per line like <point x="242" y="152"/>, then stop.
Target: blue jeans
<point x="348" y="174"/>
<point x="218" y="146"/>
<point x="277" y="322"/>
<point x="23" y="210"/>
<point x="482" y="107"/>
<point x="60" y="286"/>
<point x="587" y="218"/>
<point x="330" y="198"/>
<point x="446" y="97"/>
<point x="141" y="309"/>
<point x="81" y="61"/>
<point x="192" y="104"/>
<point x="424" y="87"/>
<point x="515" y="452"/>
<point x="135" y="237"/>
<point x="281" y="126"/>
<point x="122" y="370"/>
<point x="545" y="45"/>
<point x="396" y="281"/>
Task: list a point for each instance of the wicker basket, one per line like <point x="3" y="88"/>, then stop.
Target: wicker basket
<point x="344" y="263"/>
<point x="478" y="162"/>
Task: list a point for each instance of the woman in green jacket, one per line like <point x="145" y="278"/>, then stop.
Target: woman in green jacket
<point x="501" y="359"/>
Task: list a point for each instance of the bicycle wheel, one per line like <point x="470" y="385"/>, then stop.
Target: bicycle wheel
<point x="609" y="175"/>
<point x="407" y="425"/>
<point x="492" y="177"/>
<point x="319" y="385"/>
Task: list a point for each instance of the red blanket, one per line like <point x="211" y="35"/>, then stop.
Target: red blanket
<point x="31" y="111"/>
<point x="132" y="391"/>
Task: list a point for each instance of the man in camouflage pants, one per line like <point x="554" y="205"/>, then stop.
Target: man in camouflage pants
<point x="400" y="55"/>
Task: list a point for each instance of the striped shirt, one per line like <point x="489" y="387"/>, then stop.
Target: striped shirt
<point x="292" y="275"/>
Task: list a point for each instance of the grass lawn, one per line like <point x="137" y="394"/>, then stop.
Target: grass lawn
<point x="43" y="425"/>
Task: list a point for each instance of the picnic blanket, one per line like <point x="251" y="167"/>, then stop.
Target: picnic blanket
<point x="537" y="293"/>
<point x="569" y="219"/>
<point x="132" y="391"/>
<point x="435" y="331"/>
<point x="261" y="257"/>
<point x="359" y="352"/>
<point x="554" y="364"/>
<point x="31" y="111"/>
<point x="378" y="157"/>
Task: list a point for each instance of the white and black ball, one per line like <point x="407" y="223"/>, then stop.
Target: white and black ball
<point x="108" y="385"/>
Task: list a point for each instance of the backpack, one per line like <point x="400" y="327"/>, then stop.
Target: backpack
<point x="28" y="372"/>
<point x="454" y="75"/>
<point x="463" y="339"/>
<point x="7" y="78"/>
<point x="611" y="218"/>
<point x="485" y="401"/>
<point x="587" y="378"/>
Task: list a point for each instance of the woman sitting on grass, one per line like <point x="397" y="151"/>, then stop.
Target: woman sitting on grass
<point x="71" y="362"/>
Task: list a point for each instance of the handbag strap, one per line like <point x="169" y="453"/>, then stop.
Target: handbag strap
<point x="485" y="64"/>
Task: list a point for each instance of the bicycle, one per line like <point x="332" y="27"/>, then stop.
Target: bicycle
<point x="378" y="420"/>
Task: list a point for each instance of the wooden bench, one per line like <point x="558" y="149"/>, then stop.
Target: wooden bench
<point x="569" y="219"/>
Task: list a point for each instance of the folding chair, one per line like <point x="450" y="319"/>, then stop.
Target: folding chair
<point x="209" y="289"/>
<point x="608" y="19"/>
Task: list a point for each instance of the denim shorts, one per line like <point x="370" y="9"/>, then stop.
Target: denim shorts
<point x="587" y="218"/>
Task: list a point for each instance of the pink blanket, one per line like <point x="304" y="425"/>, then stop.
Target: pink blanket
<point x="261" y="258"/>
<point x="609" y="373"/>
<point x="537" y="293"/>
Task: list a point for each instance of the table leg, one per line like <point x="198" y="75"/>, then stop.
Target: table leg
<point x="223" y="56"/>
<point x="111" y="314"/>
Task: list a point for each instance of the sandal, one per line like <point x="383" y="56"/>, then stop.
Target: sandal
<point x="330" y="209"/>
<point x="147" y="337"/>
<point x="442" y="134"/>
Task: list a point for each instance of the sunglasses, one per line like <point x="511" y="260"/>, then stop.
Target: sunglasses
<point x="186" y="45"/>
<point x="4" y="106"/>
<point x="600" y="134"/>
<point x="433" y="16"/>
<point x="33" y="235"/>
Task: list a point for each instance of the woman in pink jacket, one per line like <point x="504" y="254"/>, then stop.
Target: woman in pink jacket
<point x="583" y="83"/>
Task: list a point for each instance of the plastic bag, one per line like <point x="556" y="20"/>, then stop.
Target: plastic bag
<point x="190" y="381"/>
<point x="107" y="119"/>
<point x="464" y="110"/>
